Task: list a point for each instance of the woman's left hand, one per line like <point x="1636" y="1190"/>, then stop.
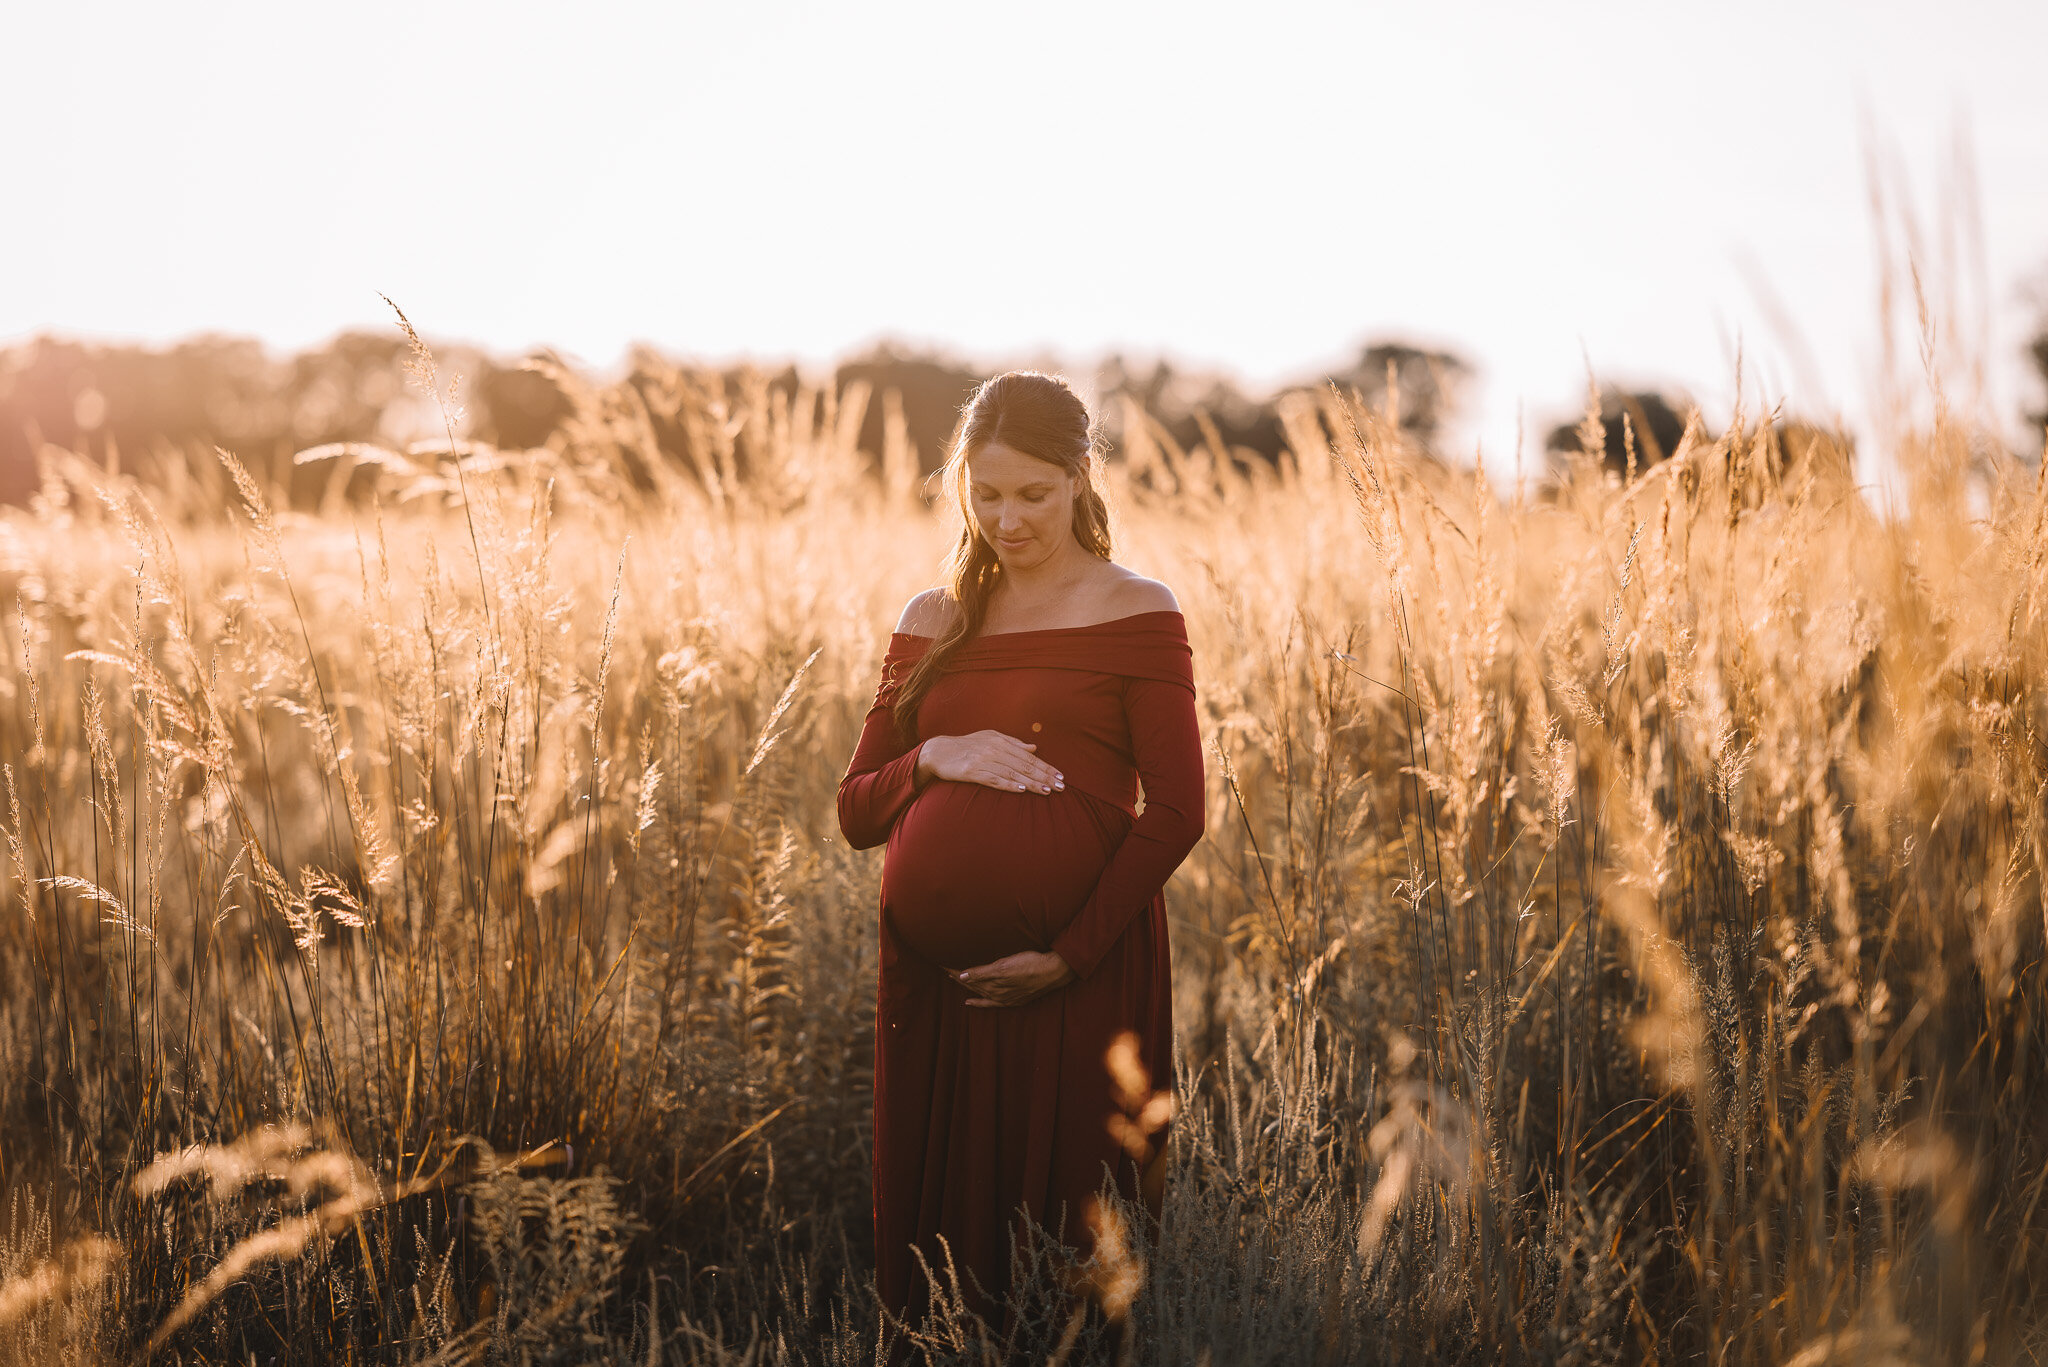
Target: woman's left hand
<point x="1014" y="979"/>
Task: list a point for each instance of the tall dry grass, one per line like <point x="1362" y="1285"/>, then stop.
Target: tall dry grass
<point x="1619" y="936"/>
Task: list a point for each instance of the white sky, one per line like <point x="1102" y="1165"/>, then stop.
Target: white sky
<point x="1261" y="186"/>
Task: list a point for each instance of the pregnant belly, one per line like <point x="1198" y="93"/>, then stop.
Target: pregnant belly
<point x="973" y="873"/>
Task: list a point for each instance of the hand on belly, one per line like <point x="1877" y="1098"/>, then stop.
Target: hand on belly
<point x="1014" y="979"/>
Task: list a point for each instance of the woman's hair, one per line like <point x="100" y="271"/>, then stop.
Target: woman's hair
<point x="1035" y="415"/>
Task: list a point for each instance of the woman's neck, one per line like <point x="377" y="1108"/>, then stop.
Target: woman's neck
<point x="1045" y="587"/>
<point x="1051" y="581"/>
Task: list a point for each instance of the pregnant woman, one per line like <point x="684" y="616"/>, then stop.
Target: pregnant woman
<point x="1023" y="928"/>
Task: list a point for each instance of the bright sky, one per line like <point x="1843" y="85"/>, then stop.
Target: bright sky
<point x="1261" y="187"/>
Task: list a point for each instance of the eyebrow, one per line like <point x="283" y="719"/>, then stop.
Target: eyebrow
<point x="1035" y="484"/>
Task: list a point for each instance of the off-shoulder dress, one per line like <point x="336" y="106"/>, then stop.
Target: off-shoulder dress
<point x="982" y="1112"/>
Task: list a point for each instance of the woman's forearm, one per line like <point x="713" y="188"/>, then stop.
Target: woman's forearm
<point x="881" y="779"/>
<point x="1166" y="736"/>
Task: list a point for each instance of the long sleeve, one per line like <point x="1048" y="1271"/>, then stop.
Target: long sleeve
<point x="1166" y="744"/>
<point x="881" y="779"/>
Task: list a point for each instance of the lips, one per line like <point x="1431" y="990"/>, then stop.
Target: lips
<point x="1010" y="545"/>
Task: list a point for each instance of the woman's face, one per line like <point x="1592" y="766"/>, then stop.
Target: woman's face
<point x="1024" y="506"/>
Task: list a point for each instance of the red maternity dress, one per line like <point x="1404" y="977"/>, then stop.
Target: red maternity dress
<point x="980" y="1111"/>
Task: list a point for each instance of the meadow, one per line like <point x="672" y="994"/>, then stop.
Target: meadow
<point x="1619" y="935"/>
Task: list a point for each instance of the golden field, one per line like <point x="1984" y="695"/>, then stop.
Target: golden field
<point x="1618" y="938"/>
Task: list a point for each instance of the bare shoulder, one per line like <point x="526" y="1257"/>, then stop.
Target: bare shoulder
<point x="1138" y="594"/>
<point x="928" y="614"/>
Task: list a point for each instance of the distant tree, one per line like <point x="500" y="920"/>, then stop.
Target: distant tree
<point x="677" y="398"/>
<point x="1181" y="401"/>
<point x="178" y="403"/>
<point x="1655" y="422"/>
<point x="93" y="399"/>
<point x="2037" y="351"/>
<point x="516" y="406"/>
<point x="933" y="390"/>
<point x="1803" y="450"/>
<point x="1790" y="452"/>
<point x="182" y="401"/>
<point x="342" y="390"/>
<point x="1426" y="385"/>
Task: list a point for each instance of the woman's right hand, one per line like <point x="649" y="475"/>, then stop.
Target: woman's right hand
<point x="991" y="758"/>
